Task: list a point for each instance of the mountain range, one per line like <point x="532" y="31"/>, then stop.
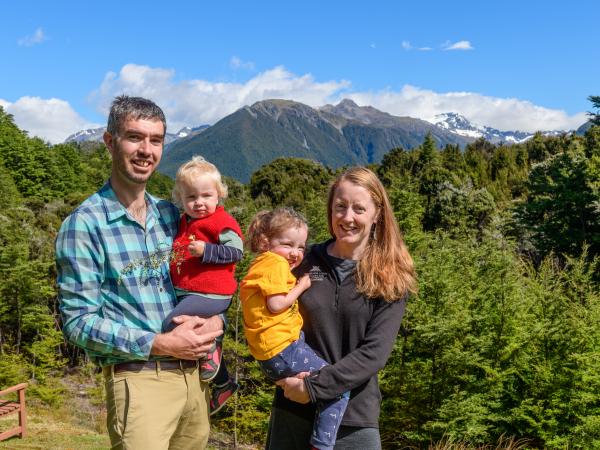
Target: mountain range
<point x="95" y="135"/>
<point x="461" y="125"/>
<point x="334" y="135"/>
<point x="344" y="134"/>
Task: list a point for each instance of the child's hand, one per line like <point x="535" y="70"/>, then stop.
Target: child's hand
<point x="196" y="248"/>
<point x="304" y="282"/>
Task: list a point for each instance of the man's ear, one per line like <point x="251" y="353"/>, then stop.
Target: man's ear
<point x="108" y="141"/>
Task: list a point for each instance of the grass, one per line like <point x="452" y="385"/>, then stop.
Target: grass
<point x="47" y="430"/>
<point x="504" y="443"/>
<point x="61" y="430"/>
<point x="78" y="423"/>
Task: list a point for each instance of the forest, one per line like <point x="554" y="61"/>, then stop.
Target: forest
<point x="503" y="338"/>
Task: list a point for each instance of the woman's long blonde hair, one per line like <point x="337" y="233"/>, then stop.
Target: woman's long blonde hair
<point x="386" y="269"/>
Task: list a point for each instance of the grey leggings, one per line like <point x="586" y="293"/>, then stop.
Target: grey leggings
<point x="288" y="431"/>
<point x="195" y="305"/>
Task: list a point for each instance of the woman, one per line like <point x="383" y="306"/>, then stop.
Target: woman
<point x="359" y="283"/>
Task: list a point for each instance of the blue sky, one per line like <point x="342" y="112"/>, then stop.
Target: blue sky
<point x="513" y="65"/>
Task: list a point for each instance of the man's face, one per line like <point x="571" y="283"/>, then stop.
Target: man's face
<point x="136" y="150"/>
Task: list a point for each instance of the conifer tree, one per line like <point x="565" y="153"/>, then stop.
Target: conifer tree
<point x="595" y="117"/>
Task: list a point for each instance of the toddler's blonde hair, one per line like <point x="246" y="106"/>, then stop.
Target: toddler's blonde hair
<point x="195" y="167"/>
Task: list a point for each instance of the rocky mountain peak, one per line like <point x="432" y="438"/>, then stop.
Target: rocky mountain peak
<point x="348" y="104"/>
<point x="460" y="125"/>
<point x="276" y="109"/>
<point x="367" y="115"/>
<point x="455" y="120"/>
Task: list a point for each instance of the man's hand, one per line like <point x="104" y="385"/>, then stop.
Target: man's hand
<point x="196" y="248"/>
<point x="294" y="388"/>
<point x="189" y="340"/>
<point x="211" y="324"/>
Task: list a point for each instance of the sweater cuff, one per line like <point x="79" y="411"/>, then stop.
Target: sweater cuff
<point x="220" y="254"/>
<point x="310" y="389"/>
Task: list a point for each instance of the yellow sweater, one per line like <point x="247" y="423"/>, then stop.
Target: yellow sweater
<point x="267" y="333"/>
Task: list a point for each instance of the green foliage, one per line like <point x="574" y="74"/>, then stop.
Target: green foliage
<point x="408" y="208"/>
<point x="502" y="340"/>
<point x="10" y="195"/>
<point x="51" y="393"/>
<point x="462" y="208"/>
<point x="561" y="208"/>
<point x="595" y="117"/>
<point x="286" y="181"/>
<point x="494" y="347"/>
<point x="396" y="166"/>
<point x="160" y="186"/>
<point x="13" y="369"/>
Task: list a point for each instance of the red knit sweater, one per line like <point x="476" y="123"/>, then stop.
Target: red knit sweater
<point x="187" y="271"/>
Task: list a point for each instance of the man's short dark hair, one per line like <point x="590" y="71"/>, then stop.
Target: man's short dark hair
<point x="124" y="107"/>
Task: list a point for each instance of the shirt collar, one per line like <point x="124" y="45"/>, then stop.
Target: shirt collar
<point x="115" y="209"/>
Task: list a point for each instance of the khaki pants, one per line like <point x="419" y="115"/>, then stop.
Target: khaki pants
<point x="157" y="409"/>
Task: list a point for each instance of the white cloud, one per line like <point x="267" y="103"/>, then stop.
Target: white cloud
<point x="373" y="45"/>
<point x="195" y="102"/>
<point x="501" y="113"/>
<point x="406" y="45"/>
<point x="50" y="119"/>
<point x="36" y="38"/>
<point x="460" y="45"/>
<point x="237" y="63"/>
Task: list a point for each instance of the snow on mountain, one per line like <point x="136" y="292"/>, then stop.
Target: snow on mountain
<point x="458" y="124"/>
<point x="96" y="134"/>
<point x="189" y="131"/>
<point x="184" y="132"/>
<point x="89" y="135"/>
<point x="461" y="125"/>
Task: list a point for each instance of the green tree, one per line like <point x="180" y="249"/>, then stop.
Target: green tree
<point x="286" y="181"/>
<point x="561" y="210"/>
<point x="595" y="117"/>
<point x="396" y="166"/>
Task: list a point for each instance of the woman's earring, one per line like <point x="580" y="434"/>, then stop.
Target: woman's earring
<point x="373" y="234"/>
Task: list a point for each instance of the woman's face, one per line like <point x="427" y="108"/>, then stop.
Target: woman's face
<point x="353" y="212"/>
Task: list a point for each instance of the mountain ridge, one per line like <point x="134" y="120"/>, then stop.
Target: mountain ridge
<point x="334" y="135"/>
<point x="459" y="124"/>
<point x="97" y="134"/>
<point x="344" y="134"/>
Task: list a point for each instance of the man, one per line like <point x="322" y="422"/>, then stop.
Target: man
<point x="112" y="257"/>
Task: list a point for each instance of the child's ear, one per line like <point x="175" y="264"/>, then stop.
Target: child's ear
<point x="263" y="243"/>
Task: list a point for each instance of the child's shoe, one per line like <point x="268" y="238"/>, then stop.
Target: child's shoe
<point x="220" y="394"/>
<point x="210" y="366"/>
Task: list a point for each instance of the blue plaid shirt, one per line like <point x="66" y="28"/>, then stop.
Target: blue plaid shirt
<point x="113" y="276"/>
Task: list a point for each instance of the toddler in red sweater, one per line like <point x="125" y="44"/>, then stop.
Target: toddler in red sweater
<point x="206" y="248"/>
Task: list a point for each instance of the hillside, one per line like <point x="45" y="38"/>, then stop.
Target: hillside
<point x="344" y="134"/>
<point x="501" y="341"/>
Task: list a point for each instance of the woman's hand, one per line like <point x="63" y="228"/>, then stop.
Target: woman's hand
<point x="294" y="388"/>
